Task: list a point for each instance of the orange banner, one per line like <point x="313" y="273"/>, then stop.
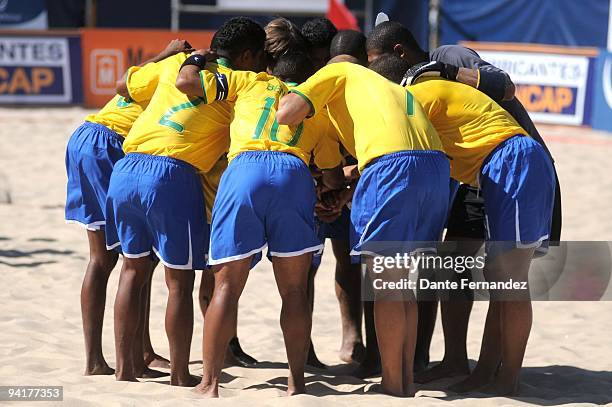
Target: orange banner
<point x="108" y="53"/>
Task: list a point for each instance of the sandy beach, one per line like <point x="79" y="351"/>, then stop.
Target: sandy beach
<point x="42" y="262"/>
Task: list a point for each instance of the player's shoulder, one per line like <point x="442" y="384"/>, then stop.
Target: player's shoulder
<point x="173" y="60"/>
<point x="456" y="55"/>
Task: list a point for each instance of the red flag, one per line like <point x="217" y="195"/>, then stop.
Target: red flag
<point x="341" y="16"/>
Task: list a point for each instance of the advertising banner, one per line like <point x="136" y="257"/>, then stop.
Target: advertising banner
<point x="23" y="14"/>
<point x="40" y="69"/>
<point x="602" y="92"/>
<point x="108" y="53"/>
<point x="555" y="87"/>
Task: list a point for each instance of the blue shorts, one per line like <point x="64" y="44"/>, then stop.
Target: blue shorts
<point x="340" y="228"/>
<point x="157" y="204"/>
<point x="517" y="181"/>
<point x="91" y="154"/>
<point x="400" y="203"/>
<point x="265" y="198"/>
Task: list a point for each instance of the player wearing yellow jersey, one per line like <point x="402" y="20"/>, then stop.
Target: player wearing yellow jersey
<point x="491" y="151"/>
<point x="91" y="153"/>
<point x="266" y="198"/>
<point x="155" y="198"/>
<point x="402" y="195"/>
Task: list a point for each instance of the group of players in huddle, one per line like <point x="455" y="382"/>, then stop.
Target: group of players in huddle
<point x="207" y="157"/>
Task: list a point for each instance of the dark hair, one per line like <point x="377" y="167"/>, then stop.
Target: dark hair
<point x="349" y="42"/>
<point x="319" y="32"/>
<point x="237" y="35"/>
<point x="389" y="33"/>
<point x="293" y="67"/>
<point x="390" y="66"/>
<point x="283" y="36"/>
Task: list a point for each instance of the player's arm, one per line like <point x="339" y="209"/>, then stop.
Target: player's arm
<point x="327" y="155"/>
<point x="494" y="83"/>
<point x="189" y="79"/>
<point x="195" y="80"/>
<point x="311" y="96"/>
<point x="292" y="109"/>
<point x="173" y="48"/>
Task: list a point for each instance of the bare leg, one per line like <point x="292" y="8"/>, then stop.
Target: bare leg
<point x="371" y="361"/>
<point x="93" y="300"/>
<point x="348" y="293"/>
<point x="395" y="316"/>
<point x="179" y="324"/>
<point x="391" y="330"/>
<point x="514" y="263"/>
<point x="140" y="367"/>
<point x="490" y="353"/>
<point x="134" y="276"/>
<point x="207" y="285"/>
<point x="234" y="356"/>
<point x="428" y="311"/>
<point x="291" y="275"/>
<point x="312" y="358"/>
<point x="516" y="320"/>
<point x="455" y="312"/>
<point x="411" y="311"/>
<point x="151" y="358"/>
<point x="219" y="321"/>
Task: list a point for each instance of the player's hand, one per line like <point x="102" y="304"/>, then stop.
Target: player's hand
<point x="350" y="173"/>
<point x="433" y="68"/>
<point x="208" y="54"/>
<point x="176" y="46"/>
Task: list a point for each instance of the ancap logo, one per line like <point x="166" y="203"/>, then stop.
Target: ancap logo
<point x="3" y="5"/>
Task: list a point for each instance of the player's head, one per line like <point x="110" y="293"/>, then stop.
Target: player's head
<point x="282" y="36"/>
<point x="392" y="37"/>
<point x="349" y="42"/>
<point x="319" y="33"/>
<point x="391" y="66"/>
<point x="241" y="40"/>
<point x="343" y="58"/>
<point x="293" y="66"/>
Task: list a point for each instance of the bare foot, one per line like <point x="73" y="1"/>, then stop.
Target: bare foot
<point x="367" y="369"/>
<point x="471" y="383"/>
<point x="125" y="377"/>
<point x="151" y="374"/>
<point x="186" y="381"/>
<point x="352" y="352"/>
<point x="101" y="369"/>
<point x="442" y="370"/>
<point x="207" y="390"/>
<point x="380" y="389"/>
<point x="295" y="387"/>
<point x="235" y="356"/>
<point x="295" y="390"/>
<point x="154" y="360"/>
<point x="501" y="387"/>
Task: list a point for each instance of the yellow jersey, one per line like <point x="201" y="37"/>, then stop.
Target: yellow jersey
<point x="173" y="124"/>
<point x="255" y="98"/>
<point x="469" y="123"/>
<point x="373" y="116"/>
<point x="210" y="184"/>
<point x="119" y="114"/>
